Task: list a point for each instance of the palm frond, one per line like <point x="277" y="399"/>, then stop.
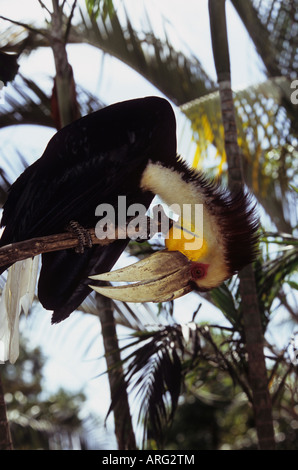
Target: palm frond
<point x="27" y="103"/>
<point x="279" y="267"/>
<point x="178" y="75"/>
<point x="154" y="377"/>
<point x="273" y="28"/>
<point x="163" y="359"/>
<point x="264" y="137"/>
<point x="222" y="298"/>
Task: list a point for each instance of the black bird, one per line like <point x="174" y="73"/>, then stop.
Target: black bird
<point x="127" y="149"/>
<point x="8" y="67"/>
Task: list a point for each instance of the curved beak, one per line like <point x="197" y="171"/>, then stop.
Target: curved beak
<point x="161" y="277"/>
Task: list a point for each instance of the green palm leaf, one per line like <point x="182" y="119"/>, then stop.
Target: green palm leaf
<point x="154" y="374"/>
<point x="279" y="267"/>
<point x="222" y="298"/>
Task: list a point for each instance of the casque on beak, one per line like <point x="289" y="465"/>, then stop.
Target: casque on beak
<point x="161" y="277"/>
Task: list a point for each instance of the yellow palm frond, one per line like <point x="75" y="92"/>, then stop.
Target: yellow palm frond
<point x="263" y="126"/>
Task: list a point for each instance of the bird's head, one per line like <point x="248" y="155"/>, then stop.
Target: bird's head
<point x="215" y="240"/>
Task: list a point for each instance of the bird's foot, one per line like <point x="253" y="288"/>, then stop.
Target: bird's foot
<point x="83" y="235"/>
<point x="158" y="222"/>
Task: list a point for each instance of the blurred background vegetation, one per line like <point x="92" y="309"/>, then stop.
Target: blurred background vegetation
<point x="205" y="402"/>
<point x="37" y="421"/>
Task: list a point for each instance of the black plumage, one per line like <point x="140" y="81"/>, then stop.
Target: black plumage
<point x="89" y="162"/>
<point x="8" y="67"/>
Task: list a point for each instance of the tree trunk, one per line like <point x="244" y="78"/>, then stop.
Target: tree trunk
<point x="64" y="103"/>
<point x="5" y="437"/>
<point x="253" y="334"/>
<point x="67" y="111"/>
<point x="123" y="425"/>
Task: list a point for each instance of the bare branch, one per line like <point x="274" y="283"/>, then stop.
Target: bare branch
<point x="63" y="4"/>
<point x="45" y="7"/>
<point x="69" y="21"/>
<point x="18" y="251"/>
<point x="26" y="26"/>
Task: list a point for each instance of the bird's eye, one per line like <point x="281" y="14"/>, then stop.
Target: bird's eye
<point x="198" y="270"/>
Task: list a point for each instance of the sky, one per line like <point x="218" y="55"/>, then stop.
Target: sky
<point x="112" y="80"/>
<point x="187" y="25"/>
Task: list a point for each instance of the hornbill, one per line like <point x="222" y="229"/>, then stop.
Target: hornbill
<point x="128" y="149"/>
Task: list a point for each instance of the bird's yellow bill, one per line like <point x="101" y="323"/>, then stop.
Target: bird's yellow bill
<point x="187" y="241"/>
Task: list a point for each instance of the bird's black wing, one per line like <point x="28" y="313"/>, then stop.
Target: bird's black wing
<point x="63" y="281"/>
<point x="89" y="162"/>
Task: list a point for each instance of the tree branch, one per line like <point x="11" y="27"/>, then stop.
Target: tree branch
<point x="69" y="21"/>
<point x="18" y="251"/>
<point x="42" y="32"/>
<point x="45" y="7"/>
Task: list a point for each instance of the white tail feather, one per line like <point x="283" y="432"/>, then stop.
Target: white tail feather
<point x="17" y="296"/>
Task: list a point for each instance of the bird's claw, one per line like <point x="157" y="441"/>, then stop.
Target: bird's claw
<point x="83" y="235"/>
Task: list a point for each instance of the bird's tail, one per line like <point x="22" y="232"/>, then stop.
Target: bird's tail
<point x="17" y="296"/>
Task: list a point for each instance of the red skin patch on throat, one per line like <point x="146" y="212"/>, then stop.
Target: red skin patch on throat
<point x="198" y="270"/>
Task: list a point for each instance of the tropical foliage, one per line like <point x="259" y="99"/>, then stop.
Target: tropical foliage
<point x="198" y="358"/>
<point x="37" y="421"/>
